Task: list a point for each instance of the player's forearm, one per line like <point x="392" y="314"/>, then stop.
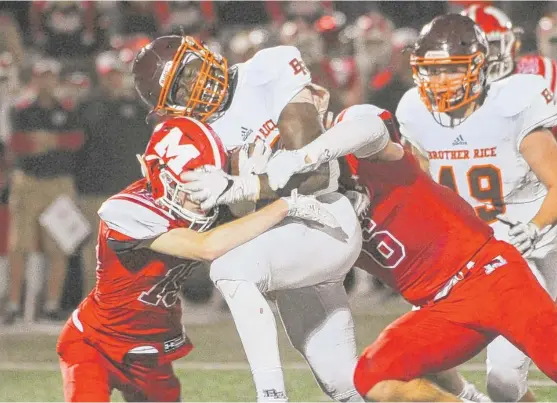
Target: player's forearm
<point x="362" y="137"/>
<point x="547" y="214"/>
<point x="306" y="183"/>
<point x="208" y="246"/>
<point x="226" y="237"/>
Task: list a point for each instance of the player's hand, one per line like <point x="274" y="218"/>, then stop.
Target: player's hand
<point x="211" y="186"/>
<point x="257" y="161"/>
<point x="360" y="202"/>
<point x="284" y="164"/>
<point x="523" y="236"/>
<point x="309" y="209"/>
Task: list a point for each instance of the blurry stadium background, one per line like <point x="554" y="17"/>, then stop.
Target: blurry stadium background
<point x="78" y="55"/>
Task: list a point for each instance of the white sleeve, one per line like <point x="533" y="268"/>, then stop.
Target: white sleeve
<point x="540" y="113"/>
<point x="359" y="131"/>
<point x="285" y="75"/>
<point x="403" y="115"/>
<point x="133" y="219"/>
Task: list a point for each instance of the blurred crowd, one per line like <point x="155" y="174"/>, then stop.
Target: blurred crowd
<point x="71" y="123"/>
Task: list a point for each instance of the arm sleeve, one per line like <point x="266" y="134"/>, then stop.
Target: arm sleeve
<point x="284" y="74"/>
<point x="360" y="131"/>
<point x="131" y="222"/>
<point x="540" y="113"/>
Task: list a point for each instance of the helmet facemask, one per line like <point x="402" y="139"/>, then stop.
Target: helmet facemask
<point x="173" y="195"/>
<point x="462" y="82"/>
<point x="195" y="83"/>
<point x="500" y="59"/>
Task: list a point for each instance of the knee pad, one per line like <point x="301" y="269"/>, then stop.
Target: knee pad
<point x="507" y="384"/>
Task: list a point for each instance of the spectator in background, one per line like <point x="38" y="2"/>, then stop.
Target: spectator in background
<point x="44" y="140"/>
<point x="337" y="70"/>
<point x="388" y="86"/>
<point x="113" y="120"/>
<point x="148" y="17"/>
<point x="64" y="29"/>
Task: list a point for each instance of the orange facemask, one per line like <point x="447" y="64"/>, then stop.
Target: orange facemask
<point x="209" y="89"/>
<point x="451" y="93"/>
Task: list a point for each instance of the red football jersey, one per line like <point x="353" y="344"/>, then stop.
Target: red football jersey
<point x="419" y="233"/>
<point x="540" y="65"/>
<point x="134" y="308"/>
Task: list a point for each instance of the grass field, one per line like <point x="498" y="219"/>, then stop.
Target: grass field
<point x="216" y="370"/>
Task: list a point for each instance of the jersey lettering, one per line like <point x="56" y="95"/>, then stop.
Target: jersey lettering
<point x="548" y="95"/>
<point x="166" y="290"/>
<point x="484" y="184"/>
<point x="381" y="245"/>
<point x="170" y="146"/>
<point x="298" y="66"/>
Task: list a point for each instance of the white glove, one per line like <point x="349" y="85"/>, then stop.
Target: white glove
<point x="309" y="209"/>
<point x="210" y="186"/>
<point x="523" y="236"/>
<point x="256" y="163"/>
<point x="284" y="164"/>
<point x="360" y="202"/>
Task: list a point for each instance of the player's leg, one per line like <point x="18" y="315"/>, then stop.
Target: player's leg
<point x="507" y="372"/>
<point x="151" y="384"/>
<point x="530" y="323"/>
<point x="291" y="255"/>
<point x="319" y="325"/>
<point x="452" y="381"/>
<point x="85" y="371"/>
<point x="418" y="343"/>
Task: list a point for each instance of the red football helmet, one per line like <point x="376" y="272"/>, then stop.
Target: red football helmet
<point x="179" y="145"/>
<point x="501" y="36"/>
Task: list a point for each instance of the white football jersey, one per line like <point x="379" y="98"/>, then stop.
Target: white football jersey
<point x="265" y="85"/>
<point x="480" y="158"/>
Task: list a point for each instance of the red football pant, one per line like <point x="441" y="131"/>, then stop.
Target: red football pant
<point x="507" y="301"/>
<point x="89" y="376"/>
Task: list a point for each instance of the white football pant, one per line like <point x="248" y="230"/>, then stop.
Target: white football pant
<point x="303" y="268"/>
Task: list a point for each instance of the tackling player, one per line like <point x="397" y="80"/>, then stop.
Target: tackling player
<point x="269" y="97"/>
<point x="426" y="242"/>
<point x="492" y="145"/>
<point x="127" y="332"/>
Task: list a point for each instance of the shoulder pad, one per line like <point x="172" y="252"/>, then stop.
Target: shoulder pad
<point x="515" y="93"/>
<point x="134" y="217"/>
<point x="408" y="105"/>
<point x="269" y="64"/>
<point x="359" y="111"/>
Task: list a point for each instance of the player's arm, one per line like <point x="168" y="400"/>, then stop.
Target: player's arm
<point x="299" y="124"/>
<point x="365" y="136"/>
<point x="418" y="154"/>
<point x="189" y="244"/>
<point x="539" y="149"/>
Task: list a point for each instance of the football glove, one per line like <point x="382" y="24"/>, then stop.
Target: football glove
<point x="212" y="186"/>
<point x="308" y="208"/>
<point x="523" y="236"/>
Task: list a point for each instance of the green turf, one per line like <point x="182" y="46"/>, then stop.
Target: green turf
<point x="215" y="343"/>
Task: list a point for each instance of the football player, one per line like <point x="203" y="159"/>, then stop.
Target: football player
<point x="427" y="243"/>
<point x="504" y="46"/>
<point x="270" y="97"/>
<point x="491" y="144"/>
<point x="127" y="332"/>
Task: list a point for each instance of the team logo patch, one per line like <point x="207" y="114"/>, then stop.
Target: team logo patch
<point x="174" y="344"/>
<point x="494" y="264"/>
